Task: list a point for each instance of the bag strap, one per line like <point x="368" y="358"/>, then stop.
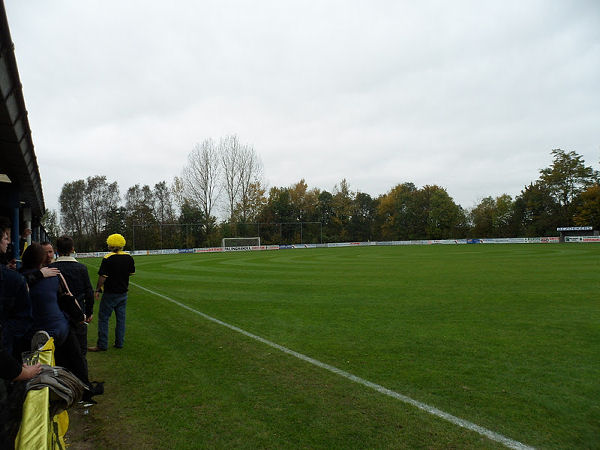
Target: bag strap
<point x="63" y="284"/>
<point x="65" y="287"/>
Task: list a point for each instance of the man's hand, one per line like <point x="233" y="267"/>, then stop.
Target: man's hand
<point x="28" y="372"/>
<point x="89" y="319"/>
<point x="49" y="272"/>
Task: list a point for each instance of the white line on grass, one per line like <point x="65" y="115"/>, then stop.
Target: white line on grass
<point x="510" y="443"/>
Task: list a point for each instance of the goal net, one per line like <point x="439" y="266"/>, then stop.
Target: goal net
<point x="240" y="242"/>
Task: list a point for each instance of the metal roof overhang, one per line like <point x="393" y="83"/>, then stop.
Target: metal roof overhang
<point x="18" y="159"/>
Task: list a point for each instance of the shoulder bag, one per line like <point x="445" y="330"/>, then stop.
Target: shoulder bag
<point x="68" y="303"/>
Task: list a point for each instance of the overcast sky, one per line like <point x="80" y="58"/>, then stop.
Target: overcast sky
<point x="469" y="95"/>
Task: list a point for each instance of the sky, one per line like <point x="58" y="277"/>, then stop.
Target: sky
<point x="469" y="95"/>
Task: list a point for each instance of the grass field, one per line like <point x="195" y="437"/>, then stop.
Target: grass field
<point x="504" y="336"/>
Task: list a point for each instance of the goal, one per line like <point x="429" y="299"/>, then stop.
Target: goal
<point x="240" y="242"/>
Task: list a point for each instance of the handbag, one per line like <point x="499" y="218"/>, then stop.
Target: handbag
<point x="68" y="303"/>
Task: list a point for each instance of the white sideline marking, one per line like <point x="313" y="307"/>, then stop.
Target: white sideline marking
<point x="510" y="443"/>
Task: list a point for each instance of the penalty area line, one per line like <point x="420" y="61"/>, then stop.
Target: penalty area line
<point x="510" y="443"/>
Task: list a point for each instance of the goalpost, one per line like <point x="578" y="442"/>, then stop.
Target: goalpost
<point x="240" y="242"/>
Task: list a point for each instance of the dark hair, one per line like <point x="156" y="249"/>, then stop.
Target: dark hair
<point x="64" y="245"/>
<point x="4" y="224"/>
<point x="33" y="256"/>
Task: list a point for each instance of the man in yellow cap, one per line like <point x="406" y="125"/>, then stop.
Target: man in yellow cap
<point x="113" y="283"/>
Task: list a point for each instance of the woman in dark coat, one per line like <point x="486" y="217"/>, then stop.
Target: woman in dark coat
<point x="48" y="316"/>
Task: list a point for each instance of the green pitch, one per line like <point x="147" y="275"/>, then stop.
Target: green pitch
<point x="504" y="336"/>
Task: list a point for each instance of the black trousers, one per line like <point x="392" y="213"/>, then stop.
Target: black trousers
<point x="68" y="355"/>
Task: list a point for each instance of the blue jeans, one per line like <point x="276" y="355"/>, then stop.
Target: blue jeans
<point x="110" y="302"/>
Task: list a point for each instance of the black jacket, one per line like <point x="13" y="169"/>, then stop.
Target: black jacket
<point x="78" y="279"/>
<point x="9" y="367"/>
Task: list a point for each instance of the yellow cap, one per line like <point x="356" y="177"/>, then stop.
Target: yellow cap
<point x="116" y="240"/>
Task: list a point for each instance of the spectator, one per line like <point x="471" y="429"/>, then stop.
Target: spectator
<point x="79" y="283"/>
<point x="33" y="277"/>
<point x="15" y="325"/>
<point x="15" y="304"/>
<point x="113" y="276"/>
<point x="48" y="316"/>
<point x="25" y="241"/>
<point x="49" y="250"/>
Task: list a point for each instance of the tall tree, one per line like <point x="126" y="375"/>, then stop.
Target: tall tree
<point x="442" y="214"/>
<point x="192" y="229"/>
<point x="588" y="211"/>
<point x="361" y="224"/>
<point x="397" y="213"/>
<point x="537" y="211"/>
<point x="50" y="223"/>
<point x="342" y="205"/>
<point x="72" y="208"/>
<point x="565" y="179"/>
<point x="141" y="221"/>
<point x="250" y="175"/>
<point x="163" y="203"/>
<point x="241" y="168"/>
<point x="493" y="217"/>
<point x="324" y="214"/>
<point x="202" y="177"/>
<point x="254" y="204"/>
<point x="99" y="198"/>
<point x="178" y="194"/>
<point x="230" y="151"/>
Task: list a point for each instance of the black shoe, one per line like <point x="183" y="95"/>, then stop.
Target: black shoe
<point x="94" y="388"/>
<point x="97" y="387"/>
<point x="117" y="346"/>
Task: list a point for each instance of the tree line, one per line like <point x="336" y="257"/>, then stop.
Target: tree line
<point x="225" y="178"/>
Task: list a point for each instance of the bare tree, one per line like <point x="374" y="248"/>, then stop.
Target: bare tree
<point x="242" y="168"/>
<point x="177" y="193"/>
<point x="250" y="174"/>
<point x="230" y="153"/>
<point x="201" y="178"/>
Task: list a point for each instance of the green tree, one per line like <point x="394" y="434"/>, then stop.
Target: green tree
<point x="50" y="224"/>
<point x="565" y="179"/>
<point x="493" y="217"/>
<point x="141" y="220"/>
<point x="192" y="222"/>
<point x="443" y="216"/>
<point x="163" y="203"/>
<point x="342" y="205"/>
<point x="72" y="209"/>
<point x="255" y="202"/>
<point x="588" y="210"/>
<point x="364" y="209"/>
<point x="536" y="211"/>
<point x="116" y="222"/>
<point x="397" y="213"/>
